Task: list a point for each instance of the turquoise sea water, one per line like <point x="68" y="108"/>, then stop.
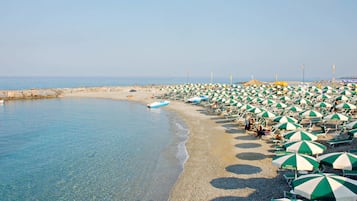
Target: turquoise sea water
<point x="88" y="149"/>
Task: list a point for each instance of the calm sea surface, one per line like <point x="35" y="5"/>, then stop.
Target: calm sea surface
<point x="88" y="149"/>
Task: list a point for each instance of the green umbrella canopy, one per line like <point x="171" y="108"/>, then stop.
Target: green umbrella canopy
<point x="288" y="126"/>
<point x="295" y="108"/>
<point x="280" y="105"/>
<point x="303" y="101"/>
<point x="339" y="160"/>
<point x="296" y="161"/>
<point x="346" y="106"/>
<point x="325" y="186"/>
<point x="323" y="105"/>
<point x="311" y="113"/>
<point x="266" y="114"/>
<point x="305" y="147"/>
<point x="341" y="98"/>
<point x="298" y="135"/>
<point x="282" y="119"/>
<point x="323" y="97"/>
<point x="336" y="116"/>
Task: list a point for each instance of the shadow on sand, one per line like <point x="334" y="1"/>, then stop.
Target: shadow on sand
<point x="251" y="156"/>
<point x="248" y="145"/>
<point x="260" y="186"/>
<point x="243" y="169"/>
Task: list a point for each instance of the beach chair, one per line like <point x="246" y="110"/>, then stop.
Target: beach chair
<point x="349" y="173"/>
<point x="321" y="133"/>
<point x="290" y="194"/>
<point x="340" y="140"/>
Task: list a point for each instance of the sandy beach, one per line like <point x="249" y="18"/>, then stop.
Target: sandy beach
<point x="225" y="163"/>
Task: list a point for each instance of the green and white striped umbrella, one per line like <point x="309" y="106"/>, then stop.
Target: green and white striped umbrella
<point x="268" y="102"/>
<point x="283" y="119"/>
<point x="305" y="147"/>
<point x="288" y="126"/>
<point x="323" y="97"/>
<point x="352" y="125"/>
<point x="296" y="161"/>
<point x="295" y="108"/>
<point x="246" y="107"/>
<point x="339" y="160"/>
<point x="311" y="113"/>
<point x="323" y="105"/>
<point x="266" y="114"/>
<point x="299" y="135"/>
<point x="342" y="98"/>
<point x="346" y="106"/>
<point x="285" y="98"/>
<point x="325" y="187"/>
<point x="303" y="101"/>
<point x="280" y="105"/>
<point x="255" y="110"/>
<point x="336" y="116"/>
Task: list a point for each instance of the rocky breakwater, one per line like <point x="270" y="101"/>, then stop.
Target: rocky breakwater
<point x="30" y="94"/>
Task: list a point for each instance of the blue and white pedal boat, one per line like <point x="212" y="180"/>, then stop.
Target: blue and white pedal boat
<point x="158" y="104"/>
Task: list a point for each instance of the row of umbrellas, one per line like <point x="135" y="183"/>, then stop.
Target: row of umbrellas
<point x="321" y="186"/>
<point x="306" y="102"/>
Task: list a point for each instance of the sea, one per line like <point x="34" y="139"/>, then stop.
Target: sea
<point x="87" y="148"/>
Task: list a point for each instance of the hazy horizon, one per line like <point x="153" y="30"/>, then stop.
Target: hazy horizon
<point x="259" y="39"/>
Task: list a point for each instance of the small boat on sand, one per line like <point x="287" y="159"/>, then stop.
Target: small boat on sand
<point x="158" y="104"/>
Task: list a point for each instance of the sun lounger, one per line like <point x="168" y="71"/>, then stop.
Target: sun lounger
<point x="321" y="133"/>
<point x="340" y="140"/>
<point x="352" y="173"/>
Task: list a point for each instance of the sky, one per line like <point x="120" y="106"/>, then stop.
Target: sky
<point x="198" y="38"/>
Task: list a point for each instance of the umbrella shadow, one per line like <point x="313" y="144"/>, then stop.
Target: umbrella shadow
<point x="248" y="145"/>
<point x="234" y="131"/>
<point x="243" y="169"/>
<point x="251" y="156"/>
<point x="264" y="188"/>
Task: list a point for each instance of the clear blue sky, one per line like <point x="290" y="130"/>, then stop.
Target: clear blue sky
<point x="176" y="38"/>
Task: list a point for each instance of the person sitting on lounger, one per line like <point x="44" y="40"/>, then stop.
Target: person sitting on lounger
<point x="260" y="131"/>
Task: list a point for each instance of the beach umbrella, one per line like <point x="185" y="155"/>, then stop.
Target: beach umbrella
<point x="255" y="110"/>
<point x="268" y="102"/>
<point x="288" y="126"/>
<point x="341" y="98"/>
<point x="266" y="114"/>
<point x="295" y="108"/>
<point x="303" y="101"/>
<point x="299" y="135"/>
<point x="311" y="113"/>
<point x="247" y="107"/>
<point x="323" y="97"/>
<point x="296" y="161"/>
<point x="352" y="125"/>
<point x="346" y="93"/>
<point x="283" y="119"/>
<point x="285" y="98"/>
<point x="325" y="186"/>
<point x="280" y="105"/>
<point x="305" y="147"/>
<point x="339" y="160"/>
<point x="346" y="106"/>
<point x="336" y="116"/>
<point x="323" y="105"/>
